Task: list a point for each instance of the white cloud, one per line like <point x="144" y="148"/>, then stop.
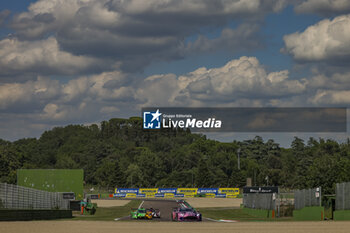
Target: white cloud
<point x="328" y="40"/>
<point x="331" y="97"/>
<point x="136" y="32"/>
<point x="243" y="78"/>
<point x="330" y="90"/>
<point x="323" y="7"/>
<point x="41" y="90"/>
<point x="238" y="80"/>
<point x="40" y="57"/>
<point x="336" y="81"/>
<point x="241" y="82"/>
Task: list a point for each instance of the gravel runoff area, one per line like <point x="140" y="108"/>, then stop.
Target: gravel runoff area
<point x="172" y="227"/>
<point x="110" y="203"/>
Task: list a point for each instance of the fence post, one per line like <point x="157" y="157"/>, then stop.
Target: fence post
<point x="5" y="196"/>
<point x="343" y="192"/>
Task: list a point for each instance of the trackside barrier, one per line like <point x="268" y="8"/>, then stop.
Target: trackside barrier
<point x="18" y="197"/>
<point x="307" y="205"/>
<point x="27" y="215"/>
<point x="342" y="202"/>
<point x="307" y="197"/>
<point x="177" y="192"/>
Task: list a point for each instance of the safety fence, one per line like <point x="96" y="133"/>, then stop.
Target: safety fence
<point x="18" y="197"/>
<point x="307" y="197"/>
<point x="266" y="201"/>
<point x="342" y="201"/>
<point x="177" y="192"/>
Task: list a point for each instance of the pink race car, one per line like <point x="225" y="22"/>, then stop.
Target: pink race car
<point x="185" y="214"/>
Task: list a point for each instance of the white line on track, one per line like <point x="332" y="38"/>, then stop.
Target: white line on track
<point x="141" y="204"/>
<point x="210" y="219"/>
<point x="220" y="220"/>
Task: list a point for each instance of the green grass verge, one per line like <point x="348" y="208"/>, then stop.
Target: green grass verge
<point x="110" y="213"/>
<point x="234" y="214"/>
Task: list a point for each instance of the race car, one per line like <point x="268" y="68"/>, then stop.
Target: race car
<point x="155" y="212"/>
<point x="185" y="214"/>
<point x="141" y="213"/>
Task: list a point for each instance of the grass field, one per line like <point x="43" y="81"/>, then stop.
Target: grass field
<point x="234" y="214"/>
<point x="202" y="202"/>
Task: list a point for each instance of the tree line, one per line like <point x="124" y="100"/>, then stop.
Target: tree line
<point x="119" y="153"/>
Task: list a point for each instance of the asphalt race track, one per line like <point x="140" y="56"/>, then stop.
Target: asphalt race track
<point x="165" y="207"/>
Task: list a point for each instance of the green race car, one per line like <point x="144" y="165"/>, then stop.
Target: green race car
<point x="141" y="213"/>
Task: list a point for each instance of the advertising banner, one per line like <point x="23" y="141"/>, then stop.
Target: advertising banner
<point x="212" y="195"/>
<point x="179" y="195"/>
<point x="149" y="192"/>
<point x="187" y="191"/>
<point x="131" y="195"/>
<point x="167" y="190"/>
<point x="255" y="189"/>
<point x="120" y="195"/>
<point x="221" y="195"/>
<point x="126" y="190"/>
<point x="231" y="195"/>
<point x="169" y="195"/>
<point x="207" y="190"/>
<point x="177" y="192"/>
<point x="229" y="190"/>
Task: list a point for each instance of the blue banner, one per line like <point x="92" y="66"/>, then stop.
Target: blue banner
<point x="221" y="195"/>
<point x="179" y="195"/>
<point x="125" y="190"/>
<point x="207" y="190"/>
<point x="167" y="190"/>
<point x="176" y="192"/>
<point x="120" y="194"/>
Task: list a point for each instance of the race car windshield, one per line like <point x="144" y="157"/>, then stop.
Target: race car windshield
<point x="185" y="210"/>
<point x="142" y="211"/>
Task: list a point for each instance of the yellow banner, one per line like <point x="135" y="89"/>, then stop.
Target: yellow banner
<point x="187" y="191"/>
<point x="131" y="195"/>
<point x="168" y="195"/>
<point x="230" y="195"/>
<point x="229" y="190"/>
<point x="210" y="195"/>
<point x="148" y="191"/>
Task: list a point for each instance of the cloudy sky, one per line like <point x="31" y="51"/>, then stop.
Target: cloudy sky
<point x="83" y="61"/>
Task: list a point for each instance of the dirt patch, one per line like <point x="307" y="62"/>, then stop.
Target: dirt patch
<point x="110" y="203"/>
<point x="170" y="227"/>
<point x="214" y="202"/>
